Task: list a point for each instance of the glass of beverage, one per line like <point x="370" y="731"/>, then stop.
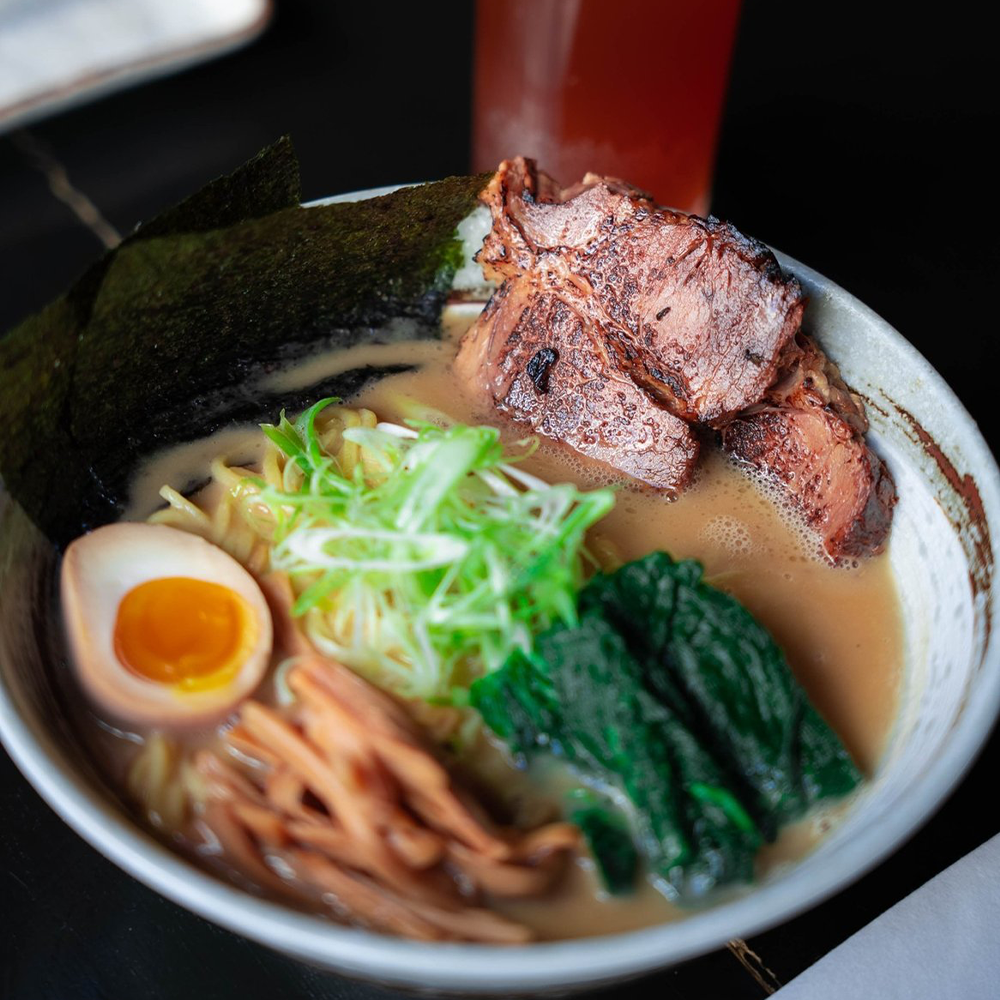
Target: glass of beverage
<point x="626" y="88"/>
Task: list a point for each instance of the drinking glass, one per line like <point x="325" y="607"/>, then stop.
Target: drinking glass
<point x="626" y="88"/>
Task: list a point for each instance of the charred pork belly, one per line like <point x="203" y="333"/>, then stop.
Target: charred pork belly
<point x="544" y="365"/>
<point x="807" y="433"/>
<point x="618" y="324"/>
<point x="693" y="311"/>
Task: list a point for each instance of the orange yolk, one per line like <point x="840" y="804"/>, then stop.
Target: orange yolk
<point x="191" y="633"/>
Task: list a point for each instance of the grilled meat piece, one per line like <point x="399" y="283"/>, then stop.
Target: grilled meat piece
<point x="610" y="305"/>
<point x="808" y="434"/>
<point x="693" y="311"/>
<point x="543" y="364"/>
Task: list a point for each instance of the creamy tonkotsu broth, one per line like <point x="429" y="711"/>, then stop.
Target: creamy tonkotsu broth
<point x="839" y="626"/>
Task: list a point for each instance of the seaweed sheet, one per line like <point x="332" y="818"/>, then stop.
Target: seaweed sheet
<point x="158" y="341"/>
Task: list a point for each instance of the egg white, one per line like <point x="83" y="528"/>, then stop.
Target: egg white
<point x="99" y="569"/>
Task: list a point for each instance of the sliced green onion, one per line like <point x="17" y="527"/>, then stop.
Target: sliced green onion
<point x="433" y="559"/>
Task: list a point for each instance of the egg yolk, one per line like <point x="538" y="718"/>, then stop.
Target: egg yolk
<point x="191" y="633"/>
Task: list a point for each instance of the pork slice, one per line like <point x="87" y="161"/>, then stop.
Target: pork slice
<point x="700" y="313"/>
<point x="695" y="312"/>
<point x="533" y="216"/>
<point x="808" y="435"/>
<point x="537" y="356"/>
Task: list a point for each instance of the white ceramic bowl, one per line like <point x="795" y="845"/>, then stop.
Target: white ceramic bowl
<point x="944" y="557"/>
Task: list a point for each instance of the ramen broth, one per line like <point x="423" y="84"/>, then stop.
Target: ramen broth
<point x="839" y="626"/>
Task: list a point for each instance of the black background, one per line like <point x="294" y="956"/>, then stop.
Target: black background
<point x="857" y="140"/>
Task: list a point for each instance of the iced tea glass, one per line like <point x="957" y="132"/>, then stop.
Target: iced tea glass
<point x="628" y="88"/>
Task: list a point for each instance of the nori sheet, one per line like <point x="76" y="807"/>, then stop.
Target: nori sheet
<point x="157" y="341"/>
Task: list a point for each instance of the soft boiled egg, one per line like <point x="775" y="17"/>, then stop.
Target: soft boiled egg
<point x="164" y="628"/>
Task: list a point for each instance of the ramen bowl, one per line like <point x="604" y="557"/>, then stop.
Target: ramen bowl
<point x="943" y="557"/>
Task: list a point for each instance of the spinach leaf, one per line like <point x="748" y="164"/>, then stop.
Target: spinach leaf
<point x="610" y="838"/>
<point x="671" y="692"/>
<point x="708" y="657"/>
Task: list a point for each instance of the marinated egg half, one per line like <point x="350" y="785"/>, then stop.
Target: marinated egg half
<point x="164" y="628"/>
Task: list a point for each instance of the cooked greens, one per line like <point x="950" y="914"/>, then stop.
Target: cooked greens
<point x="610" y="838"/>
<point x="432" y="557"/>
<point x="670" y="691"/>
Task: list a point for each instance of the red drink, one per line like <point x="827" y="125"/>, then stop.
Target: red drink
<point x="631" y="89"/>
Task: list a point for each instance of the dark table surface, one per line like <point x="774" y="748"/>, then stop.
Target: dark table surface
<point x="855" y="140"/>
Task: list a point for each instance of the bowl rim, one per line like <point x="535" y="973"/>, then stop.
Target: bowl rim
<point x="573" y="963"/>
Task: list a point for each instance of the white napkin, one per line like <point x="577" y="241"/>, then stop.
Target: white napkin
<point x="54" y="53"/>
<point x="940" y="942"/>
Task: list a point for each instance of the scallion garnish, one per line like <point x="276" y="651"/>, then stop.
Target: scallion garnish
<point x="431" y="559"/>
